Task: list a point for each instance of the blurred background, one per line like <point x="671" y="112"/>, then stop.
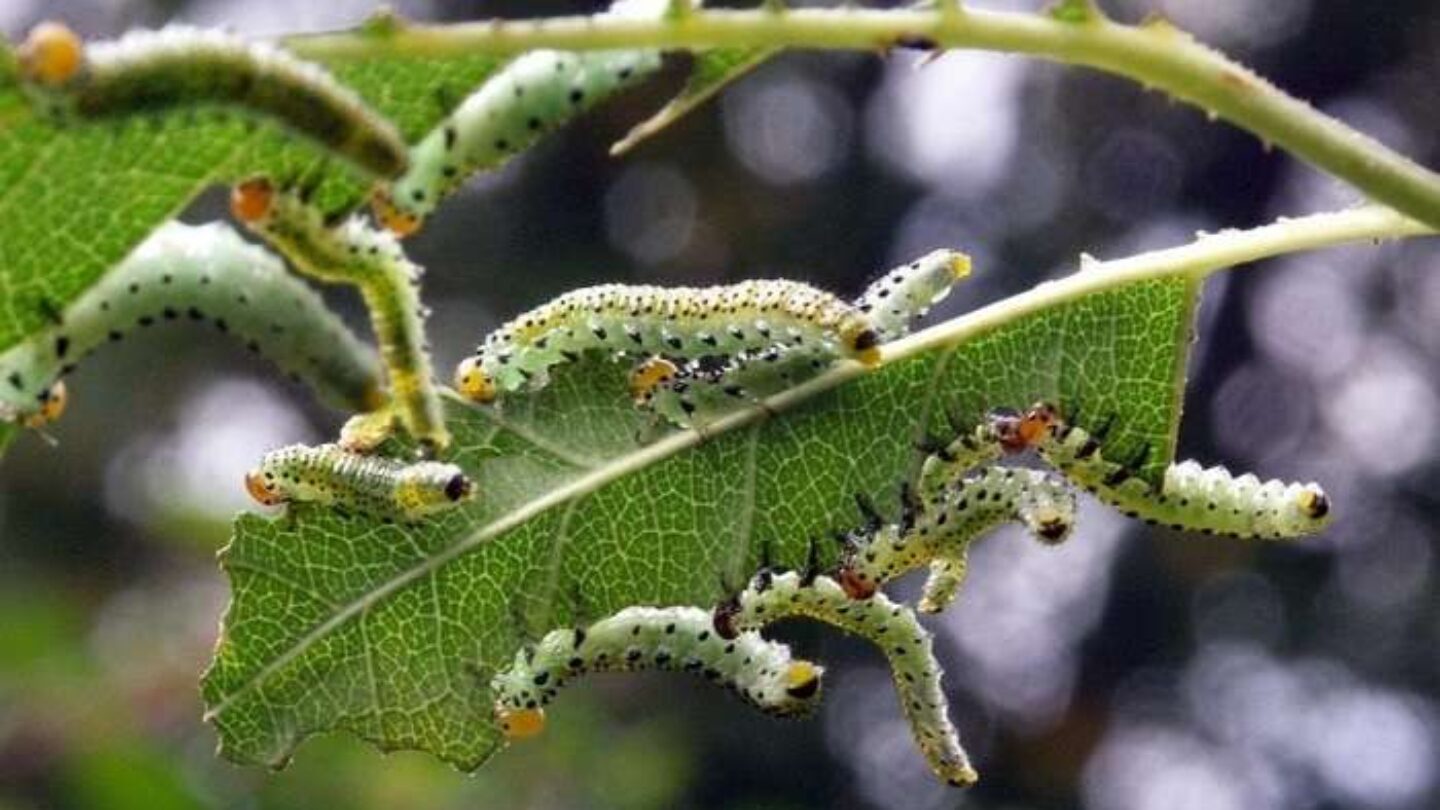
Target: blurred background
<point x="1131" y="668"/>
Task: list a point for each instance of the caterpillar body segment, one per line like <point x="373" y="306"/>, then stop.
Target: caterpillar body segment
<point x="179" y="66"/>
<point x="907" y="292"/>
<point x="761" y="673"/>
<point x="893" y="628"/>
<point x="944" y="530"/>
<point x="203" y="275"/>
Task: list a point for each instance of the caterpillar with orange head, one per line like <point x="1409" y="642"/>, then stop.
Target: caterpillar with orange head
<point x="155" y="71"/>
<point x="330" y="475"/>
<point x="371" y="260"/>
<point x="198" y="275"/>
<point x="760" y="672"/>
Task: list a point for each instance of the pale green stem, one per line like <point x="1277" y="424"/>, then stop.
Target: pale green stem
<point x="1154" y="54"/>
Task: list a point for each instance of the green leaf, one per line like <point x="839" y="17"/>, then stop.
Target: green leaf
<point x="711" y="72"/>
<point x="393" y="634"/>
<point x="75" y="200"/>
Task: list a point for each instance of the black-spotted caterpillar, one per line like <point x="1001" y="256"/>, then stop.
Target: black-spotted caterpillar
<point x="693" y="392"/>
<point x="1190" y="497"/>
<point x="153" y="71"/>
<point x="893" y="628"/>
<point x="526" y="99"/>
<point x="372" y="260"/>
<point x="760" y="672"/>
<point x="188" y="274"/>
<point x="689" y="322"/>
<point x="372" y="485"/>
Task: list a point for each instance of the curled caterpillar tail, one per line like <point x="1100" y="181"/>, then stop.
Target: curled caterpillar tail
<point x="944" y="528"/>
<point x="373" y="261"/>
<point x="332" y="476"/>
<point x="907" y="292"/>
<point x="1190" y="497"/>
<point x="155" y="71"/>
<point x="760" y="672"/>
<point x="673" y="322"/>
<point x="203" y="276"/>
<point x="893" y="628"/>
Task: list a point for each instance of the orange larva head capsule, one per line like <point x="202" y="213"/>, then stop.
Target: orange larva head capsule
<point x="648" y="376"/>
<point x="52" y="54"/>
<point x="251" y="200"/>
<point x="1036" y="422"/>
<point x="51" y="409"/>
<point x="390" y="217"/>
<point x="261" y="490"/>
<point x="802" y="680"/>
<point x="473" y="383"/>
<point x="520" y="724"/>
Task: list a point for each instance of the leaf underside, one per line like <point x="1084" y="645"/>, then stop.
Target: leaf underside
<point x="393" y="633"/>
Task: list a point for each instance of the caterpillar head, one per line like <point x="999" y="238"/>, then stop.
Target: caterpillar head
<point x="519" y="724"/>
<point x="1050" y="524"/>
<point x="252" y="200"/>
<point x="52" y="406"/>
<point x="52" y="54"/>
<point x="261" y="486"/>
<point x="390" y="216"/>
<point x="473" y="382"/>
<point x="648" y="376"/>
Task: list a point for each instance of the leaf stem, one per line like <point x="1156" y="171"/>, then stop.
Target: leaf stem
<point x="1206" y="255"/>
<point x="1155" y="54"/>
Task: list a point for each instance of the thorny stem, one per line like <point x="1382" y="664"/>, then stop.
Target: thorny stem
<point x="1155" y="54"/>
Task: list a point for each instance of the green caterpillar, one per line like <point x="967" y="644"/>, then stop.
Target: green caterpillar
<point x="760" y="672"/>
<point x="191" y="274"/>
<point x="528" y="98"/>
<point x="354" y="253"/>
<point x="673" y="321"/>
<point x="944" y="529"/>
<point x="1191" y="497"/>
<point x="153" y="71"/>
<point x="333" y="476"/>
<point x="694" y="392"/>
<point x="892" y="628"/>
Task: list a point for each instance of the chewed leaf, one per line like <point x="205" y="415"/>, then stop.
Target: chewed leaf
<point x="711" y="72"/>
<point x="393" y="633"/>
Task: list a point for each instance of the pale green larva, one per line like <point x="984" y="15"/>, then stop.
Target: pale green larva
<point x="529" y="97"/>
<point x="643" y="320"/>
<point x="374" y="262"/>
<point x="694" y="392"/>
<point x="893" y="628"/>
<point x="155" y="71"/>
<point x="945" y="528"/>
<point x="199" y="275"/>
<point x="760" y="672"/>
<point x="350" y="482"/>
<point x="1190" y="498"/>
